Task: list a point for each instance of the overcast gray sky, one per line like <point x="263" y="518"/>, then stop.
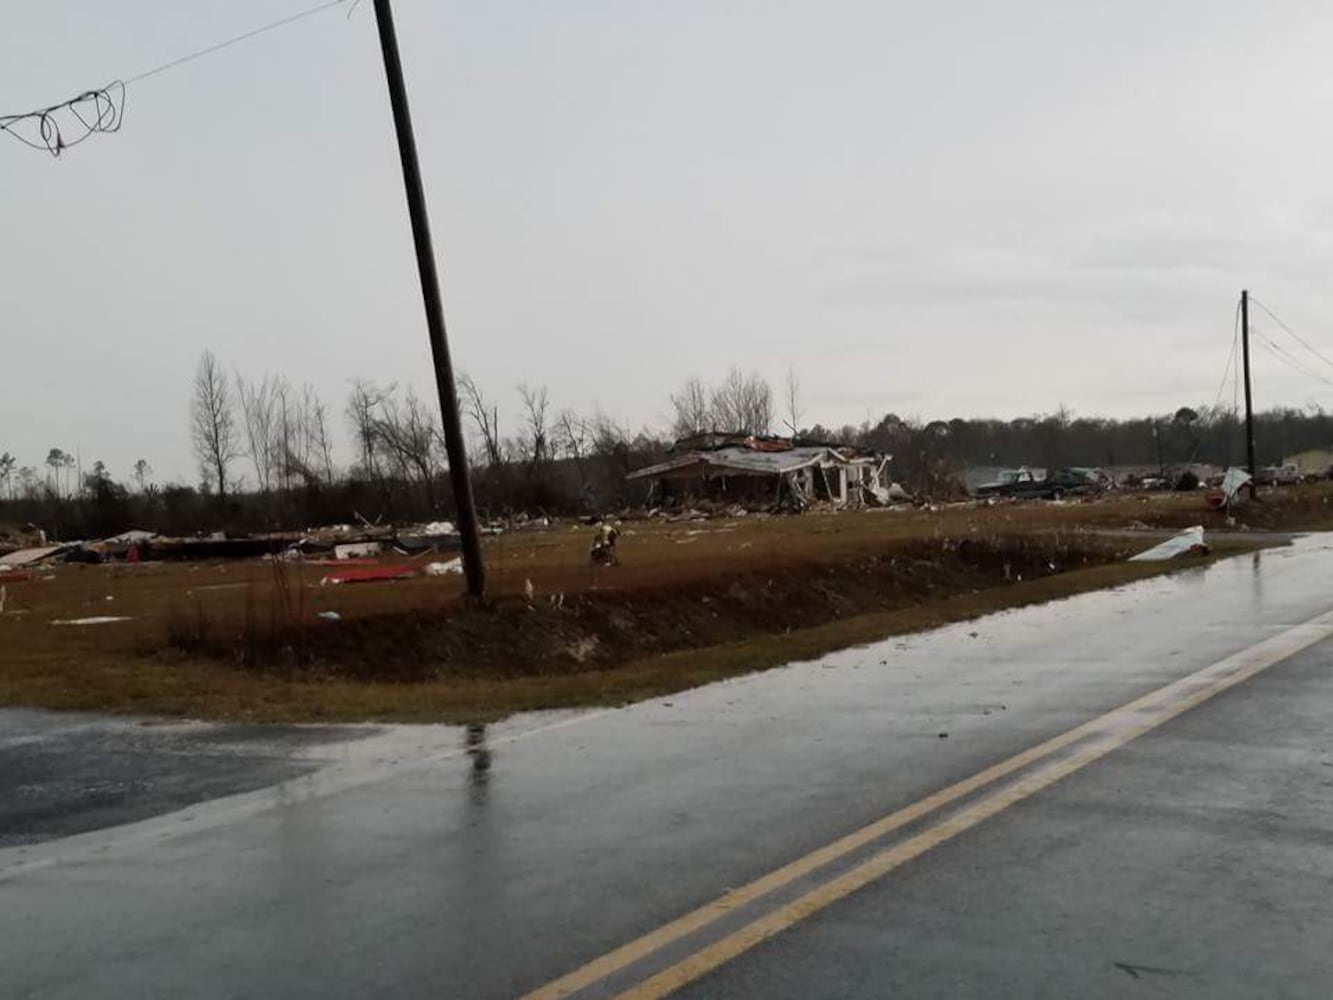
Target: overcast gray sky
<point x="938" y="209"/>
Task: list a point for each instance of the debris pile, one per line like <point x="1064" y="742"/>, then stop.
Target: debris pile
<point x="766" y="473"/>
<point x="340" y="543"/>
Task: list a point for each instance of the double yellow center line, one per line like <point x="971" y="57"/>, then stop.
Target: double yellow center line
<point x="1044" y="764"/>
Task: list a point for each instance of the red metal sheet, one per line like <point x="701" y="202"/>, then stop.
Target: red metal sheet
<point x="370" y="574"/>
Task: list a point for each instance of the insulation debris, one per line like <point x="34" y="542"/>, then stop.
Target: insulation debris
<point x="448" y="568"/>
<point x="94" y="620"/>
<point x="1188" y="542"/>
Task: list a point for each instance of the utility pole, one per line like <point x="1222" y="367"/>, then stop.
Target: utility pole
<point x="459" y="474"/>
<point x="1249" y="404"/>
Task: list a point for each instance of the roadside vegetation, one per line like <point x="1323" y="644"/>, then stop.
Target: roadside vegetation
<point x="691" y="602"/>
<point x="271" y="454"/>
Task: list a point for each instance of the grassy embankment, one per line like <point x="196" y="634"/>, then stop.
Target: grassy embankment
<point x="691" y="603"/>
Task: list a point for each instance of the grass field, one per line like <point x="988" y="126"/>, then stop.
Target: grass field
<point x="690" y="602"/>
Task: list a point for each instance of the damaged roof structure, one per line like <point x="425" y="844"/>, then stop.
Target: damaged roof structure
<point x="771" y="471"/>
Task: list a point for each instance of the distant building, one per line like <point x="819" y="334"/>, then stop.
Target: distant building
<point x="767" y="471"/>
<point x="1315" y="462"/>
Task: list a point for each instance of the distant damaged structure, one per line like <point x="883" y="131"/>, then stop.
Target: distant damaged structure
<point x="767" y="472"/>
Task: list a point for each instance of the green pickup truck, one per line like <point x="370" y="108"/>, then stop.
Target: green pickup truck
<point x="1022" y="484"/>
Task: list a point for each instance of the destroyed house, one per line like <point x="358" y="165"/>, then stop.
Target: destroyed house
<point x="766" y="472"/>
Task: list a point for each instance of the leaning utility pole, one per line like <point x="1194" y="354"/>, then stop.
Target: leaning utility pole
<point x="459" y="475"/>
<point x="1249" y="405"/>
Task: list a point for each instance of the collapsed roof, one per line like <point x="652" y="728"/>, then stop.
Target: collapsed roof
<point x="30" y="557"/>
<point x="769" y="470"/>
<point x="745" y="461"/>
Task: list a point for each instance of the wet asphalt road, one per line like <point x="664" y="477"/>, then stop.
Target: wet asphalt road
<point x="424" y="861"/>
<point x="62" y="774"/>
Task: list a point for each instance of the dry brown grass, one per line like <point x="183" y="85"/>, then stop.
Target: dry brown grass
<point x="129" y="667"/>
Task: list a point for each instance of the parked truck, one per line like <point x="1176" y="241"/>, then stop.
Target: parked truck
<point x="1023" y="484"/>
<point x="1277" y="475"/>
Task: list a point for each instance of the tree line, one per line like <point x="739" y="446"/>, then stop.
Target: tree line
<point x="930" y="456"/>
<point x="268" y="458"/>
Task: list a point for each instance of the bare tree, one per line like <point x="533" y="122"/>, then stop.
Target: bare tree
<point x="55" y="463"/>
<point x="572" y="438"/>
<point x="608" y="436"/>
<point x="412" y="439"/>
<point x="485" y="416"/>
<point x="261" y="416"/>
<point x="54" y="459"/>
<point x="212" y="422"/>
<point x="362" y="404"/>
<point x="290" y="438"/>
<point x="742" y="403"/>
<point x="8" y="463"/>
<point x="28" y="483"/>
<point x="318" y="443"/>
<point x="143" y="473"/>
<point x="534" y="442"/>
<point x="300" y="446"/>
<point x="693" y="413"/>
<point x="793" y="401"/>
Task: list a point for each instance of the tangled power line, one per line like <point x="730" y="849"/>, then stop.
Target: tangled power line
<point x="60" y="126"/>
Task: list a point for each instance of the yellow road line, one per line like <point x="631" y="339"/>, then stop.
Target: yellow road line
<point x="1174" y="699"/>
<point x="1283" y="645"/>
<point x="642" y="947"/>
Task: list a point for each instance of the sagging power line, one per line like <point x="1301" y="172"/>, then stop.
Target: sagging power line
<point x="1282" y="356"/>
<point x="67" y="123"/>
<point x="1292" y="333"/>
<point x="1289" y="359"/>
<point x="1278" y="351"/>
<point x="1231" y="359"/>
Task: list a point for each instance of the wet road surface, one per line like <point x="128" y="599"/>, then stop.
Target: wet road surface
<point x="1191" y="859"/>
<point x="62" y="774"/>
